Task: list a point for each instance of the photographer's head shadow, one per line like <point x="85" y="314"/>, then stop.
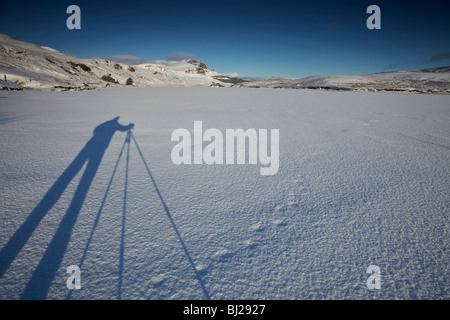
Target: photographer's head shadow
<point x="91" y="155"/>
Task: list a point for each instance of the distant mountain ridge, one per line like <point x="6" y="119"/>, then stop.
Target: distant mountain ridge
<point x="438" y="69"/>
<point x="431" y="80"/>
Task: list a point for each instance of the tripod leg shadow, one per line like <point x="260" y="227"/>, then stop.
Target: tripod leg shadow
<point x="122" y="235"/>
<point x="169" y="216"/>
<point x="100" y="210"/>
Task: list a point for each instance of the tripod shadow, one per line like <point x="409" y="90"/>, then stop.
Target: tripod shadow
<point x="127" y="142"/>
<point x="174" y="226"/>
<point x="92" y="154"/>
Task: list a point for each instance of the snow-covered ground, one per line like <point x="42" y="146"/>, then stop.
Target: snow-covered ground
<point x="363" y="180"/>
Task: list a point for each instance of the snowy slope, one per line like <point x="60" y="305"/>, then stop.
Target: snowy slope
<point x="427" y="80"/>
<point x="30" y="66"/>
<point x="363" y="180"/>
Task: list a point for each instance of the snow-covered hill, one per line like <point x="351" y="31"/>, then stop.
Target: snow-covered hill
<point x="426" y="80"/>
<point x="26" y="65"/>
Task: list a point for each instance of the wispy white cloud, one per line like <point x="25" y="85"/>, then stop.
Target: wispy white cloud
<point x="178" y="56"/>
<point x="128" y="59"/>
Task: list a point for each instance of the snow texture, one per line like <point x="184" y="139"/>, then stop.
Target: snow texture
<point x="363" y="180"/>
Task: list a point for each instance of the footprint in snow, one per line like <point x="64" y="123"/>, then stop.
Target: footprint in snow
<point x="279" y="223"/>
<point x="257" y="227"/>
<point x="222" y="255"/>
<point x="279" y="207"/>
<point x="158" y="280"/>
<point x="202" y="269"/>
<point x="249" y="244"/>
<point x="292" y="204"/>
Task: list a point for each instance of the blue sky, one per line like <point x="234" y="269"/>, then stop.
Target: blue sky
<point x="251" y="38"/>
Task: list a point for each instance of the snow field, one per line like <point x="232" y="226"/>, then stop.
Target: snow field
<point x="363" y="179"/>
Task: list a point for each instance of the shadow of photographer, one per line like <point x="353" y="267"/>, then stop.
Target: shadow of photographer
<point x="92" y="154"/>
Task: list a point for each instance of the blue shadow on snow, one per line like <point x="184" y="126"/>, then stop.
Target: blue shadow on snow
<point x="43" y="275"/>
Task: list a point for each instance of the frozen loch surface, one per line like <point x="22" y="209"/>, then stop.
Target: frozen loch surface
<point x="363" y="180"/>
